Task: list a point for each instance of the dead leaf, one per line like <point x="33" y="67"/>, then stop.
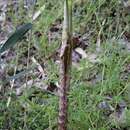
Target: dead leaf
<point x="38" y="13"/>
<point x="81" y="52"/>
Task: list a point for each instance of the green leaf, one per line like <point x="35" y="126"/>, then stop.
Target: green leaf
<point x="16" y="36"/>
<point x="21" y="74"/>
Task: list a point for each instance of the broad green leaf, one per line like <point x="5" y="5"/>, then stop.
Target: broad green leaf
<point x="15" y="37"/>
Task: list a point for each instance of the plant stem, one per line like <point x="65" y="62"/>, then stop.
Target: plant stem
<point x="65" y="66"/>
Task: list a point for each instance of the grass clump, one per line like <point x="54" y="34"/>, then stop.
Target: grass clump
<point x="98" y="90"/>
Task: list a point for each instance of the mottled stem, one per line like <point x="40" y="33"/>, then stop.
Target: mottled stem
<point x="65" y="67"/>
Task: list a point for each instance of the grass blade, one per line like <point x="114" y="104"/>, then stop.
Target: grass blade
<point x="15" y="37"/>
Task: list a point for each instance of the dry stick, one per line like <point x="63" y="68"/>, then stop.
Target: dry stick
<point x="65" y="67"/>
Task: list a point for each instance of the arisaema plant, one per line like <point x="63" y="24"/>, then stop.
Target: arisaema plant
<point x="65" y="65"/>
